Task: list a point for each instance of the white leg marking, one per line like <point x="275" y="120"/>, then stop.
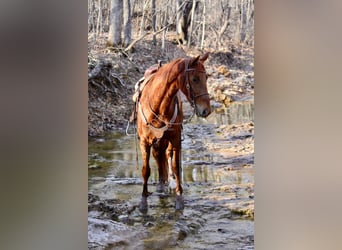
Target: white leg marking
<point x="172" y="181"/>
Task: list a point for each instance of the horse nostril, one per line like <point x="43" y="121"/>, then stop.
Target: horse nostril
<point x="205" y="112"/>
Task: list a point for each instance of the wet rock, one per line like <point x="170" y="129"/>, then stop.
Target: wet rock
<point x="125" y="181"/>
<point x="110" y="208"/>
<point x="123" y="218"/>
<point x="222" y="230"/>
<point x="100" y="233"/>
<point x="94" y="166"/>
<point x="182" y="230"/>
<point x="149" y="224"/>
<point x="194" y="226"/>
<point x="225" y="215"/>
<point x="242" y="209"/>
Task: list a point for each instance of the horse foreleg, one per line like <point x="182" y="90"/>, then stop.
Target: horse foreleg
<point x="176" y="167"/>
<point x="146" y="171"/>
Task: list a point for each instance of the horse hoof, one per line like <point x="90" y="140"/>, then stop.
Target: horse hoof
<point x="143" y="205"/>
<point x="160" y="188"/>
<point x="179" y="202"/>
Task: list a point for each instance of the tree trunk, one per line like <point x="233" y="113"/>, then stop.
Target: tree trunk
<point x="224" y="26"/>
<point x="192" y="20"/>
<point x="237" y="33"/>
<point x="183" y="20"/>
<point x="142" y="23"/>
<point x="164" y="32"/>
<point x="153" y="8"/>
<point x="178" y="18"/>
<point x="127" y="22"/>
<point x="114" y="36"/>
<point x="203" y="30"/>
<point x="99" y="19"/>
<point x="242" y="21"/>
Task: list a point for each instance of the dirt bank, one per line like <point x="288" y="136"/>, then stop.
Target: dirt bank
<point x="112" y="75"/>
<point x="218" y="158"/>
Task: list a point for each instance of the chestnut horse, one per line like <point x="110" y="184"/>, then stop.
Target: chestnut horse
<point x="160" y="117"/>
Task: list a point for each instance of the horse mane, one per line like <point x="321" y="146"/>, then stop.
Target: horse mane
<point x="171" y="70"/>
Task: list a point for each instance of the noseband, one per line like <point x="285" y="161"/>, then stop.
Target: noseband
<point x="188" y="85"/>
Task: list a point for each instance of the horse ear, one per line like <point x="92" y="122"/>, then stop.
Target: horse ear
<point x="204" y="57"/>
<point x="193" y="60"/>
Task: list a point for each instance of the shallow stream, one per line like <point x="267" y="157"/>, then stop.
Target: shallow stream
<point x="218" y="183"/>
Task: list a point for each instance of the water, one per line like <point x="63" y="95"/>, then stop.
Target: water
<point x="217" y="183"/>
<point x="235" y="113"/>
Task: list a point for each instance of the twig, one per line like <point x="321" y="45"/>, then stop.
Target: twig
<point x="110" y="82"/>
<point x="97" y="85"/>
<point x="142" y="36"/>
<point x="95" y="72"/>
<point x="119" y="79"/>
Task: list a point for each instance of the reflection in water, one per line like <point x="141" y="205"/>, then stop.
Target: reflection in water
<point x="235" y="113"/>
<point x="115" y="174"/>
<point x="115" y="155"/>
<point x="207" y="173"/>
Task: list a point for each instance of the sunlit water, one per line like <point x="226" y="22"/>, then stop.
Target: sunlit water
<point x="114" y="158"/>
<point x="115" y="166"/>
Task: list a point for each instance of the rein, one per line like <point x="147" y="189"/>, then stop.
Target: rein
<point x="160" y="131"/>
<point x="168" y="124"/>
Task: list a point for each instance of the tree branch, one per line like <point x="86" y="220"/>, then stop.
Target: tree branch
<point x="142" y="36"/>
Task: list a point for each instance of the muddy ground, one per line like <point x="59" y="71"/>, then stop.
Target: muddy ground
<point x="218" y="182"/>
<point x="218" y="159"/>
<point x="113" y="74"/>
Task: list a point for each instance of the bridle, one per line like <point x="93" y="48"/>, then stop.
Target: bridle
<point x="188" y="85"/>
<point x="192" y="98"/>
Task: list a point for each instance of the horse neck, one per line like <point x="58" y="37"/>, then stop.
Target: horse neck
<point x="163" y="99"/>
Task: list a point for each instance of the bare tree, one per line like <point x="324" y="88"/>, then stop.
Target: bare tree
<point x="192" y="20"/>
<point x="203" y="23"/>
<point x="153" y="8"/>
<point x="99" y="18"/>
<point x="127" y="22"/>
<point x="164" y="21"/>
<point x="120" y="20"/>
<point x="183" y="19"/>
<point x="198" y="23"/>
<point x="142" y="22"/>
<point x="114" y="36"/>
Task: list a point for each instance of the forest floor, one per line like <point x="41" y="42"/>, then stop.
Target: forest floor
<point x="113" y="74"/>
<point x="219" y="211"/>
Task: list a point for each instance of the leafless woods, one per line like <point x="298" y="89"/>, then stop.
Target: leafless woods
<point x="197" y="23"/>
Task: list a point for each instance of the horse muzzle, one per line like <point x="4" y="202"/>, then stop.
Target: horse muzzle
<point x="203" y="111"/>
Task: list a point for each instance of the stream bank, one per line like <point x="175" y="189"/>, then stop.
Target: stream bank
<point x="218" y="182"/>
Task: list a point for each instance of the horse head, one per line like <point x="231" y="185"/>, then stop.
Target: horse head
<point x="195" y="88"/>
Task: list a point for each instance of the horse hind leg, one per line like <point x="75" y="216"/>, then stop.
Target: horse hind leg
<point x="160" y="157"/>
<point x="171" y="175"/>
<point x="176" y="168"/>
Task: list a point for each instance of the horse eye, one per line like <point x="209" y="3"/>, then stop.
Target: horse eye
<point x="194" y="79"/>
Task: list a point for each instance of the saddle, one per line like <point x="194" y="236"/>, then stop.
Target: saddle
<point x="141" y="83"/>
